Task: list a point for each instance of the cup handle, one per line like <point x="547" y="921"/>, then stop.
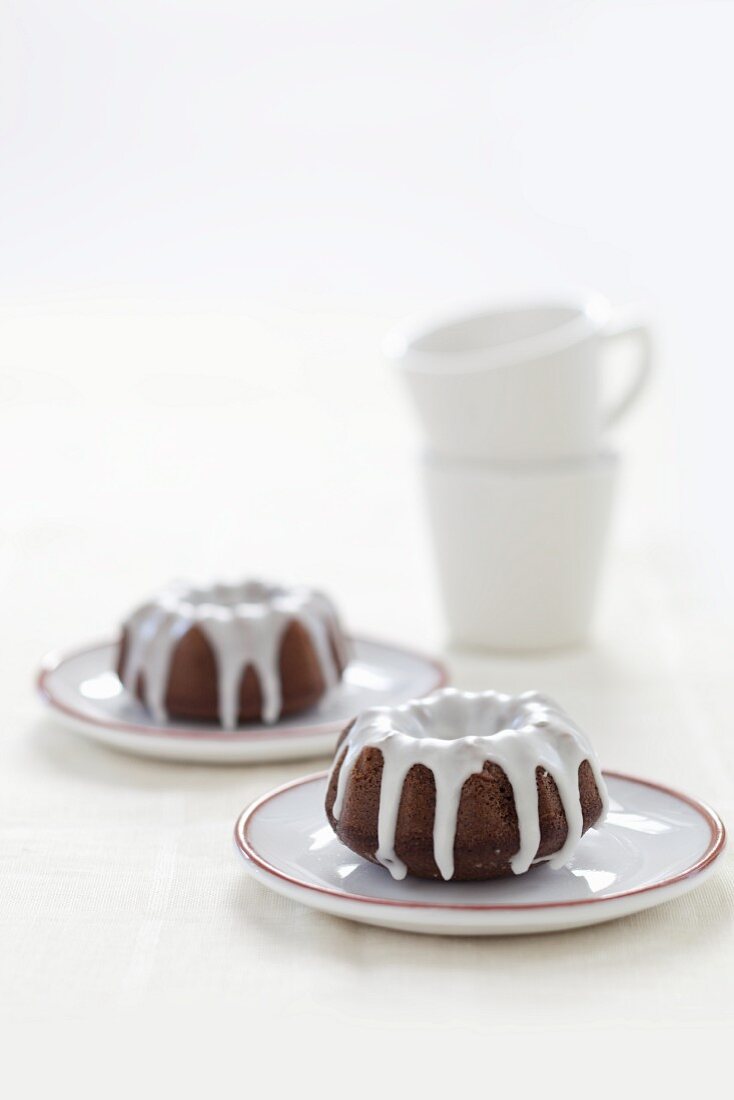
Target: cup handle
<point x="618" y="331"/>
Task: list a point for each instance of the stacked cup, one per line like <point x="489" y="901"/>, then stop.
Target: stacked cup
<point x="518" y="476"/>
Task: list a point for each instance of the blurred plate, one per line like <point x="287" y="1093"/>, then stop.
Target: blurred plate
<point x="84" y="691"/>
<point x="655" y="845"/>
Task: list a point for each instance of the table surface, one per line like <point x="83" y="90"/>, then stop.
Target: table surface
<point x="276" y="442"/>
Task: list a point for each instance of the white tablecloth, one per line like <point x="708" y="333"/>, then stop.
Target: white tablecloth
<point x="139" y="446"/>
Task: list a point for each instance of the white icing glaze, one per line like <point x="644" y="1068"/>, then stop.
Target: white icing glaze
<point x="244" y="625"/>
<point x="453" y="733"/>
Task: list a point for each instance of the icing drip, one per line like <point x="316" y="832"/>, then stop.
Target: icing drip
<point x="244" y="625"/>
<point x="453" y="734"/>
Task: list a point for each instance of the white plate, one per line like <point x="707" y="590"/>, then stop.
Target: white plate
<point x="84" y="691"/>
<point x="655" y="845"/>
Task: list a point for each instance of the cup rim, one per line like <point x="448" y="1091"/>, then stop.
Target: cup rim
<point x="591" y="313"/>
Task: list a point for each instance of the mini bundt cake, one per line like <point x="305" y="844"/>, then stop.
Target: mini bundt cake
<point x="464" y="785"/>
<point x="232" y="653"/>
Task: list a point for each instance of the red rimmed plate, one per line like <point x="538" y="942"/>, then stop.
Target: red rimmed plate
<point x="655" y="845"/>
<point x="84" y="692"/>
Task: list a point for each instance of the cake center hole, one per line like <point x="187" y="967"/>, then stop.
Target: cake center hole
<point x="451" y="723"/>
<point x="232" y="595"/>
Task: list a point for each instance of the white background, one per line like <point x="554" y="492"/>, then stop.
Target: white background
<point x="387" y="155"/>
<point x="209" y="212"/>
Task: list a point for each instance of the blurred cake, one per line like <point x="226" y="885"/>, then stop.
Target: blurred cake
<point x="464" y="785"/>
<point x="232" y="653"/>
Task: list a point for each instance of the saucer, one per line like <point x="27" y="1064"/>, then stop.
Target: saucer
<point x="85" y="693"/>
<point x="655" y="845"/>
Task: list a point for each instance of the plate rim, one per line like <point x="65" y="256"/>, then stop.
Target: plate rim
<point x="211" y="733"/>
<point x="715" y="847"/>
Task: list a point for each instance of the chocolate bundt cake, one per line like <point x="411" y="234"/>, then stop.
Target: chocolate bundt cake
<point x="464" y="785"/>
<point x="229" y="653"/>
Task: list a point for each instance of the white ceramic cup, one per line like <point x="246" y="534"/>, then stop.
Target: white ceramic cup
<point x="519" y="549"/>
<point x="520" y="384"/>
